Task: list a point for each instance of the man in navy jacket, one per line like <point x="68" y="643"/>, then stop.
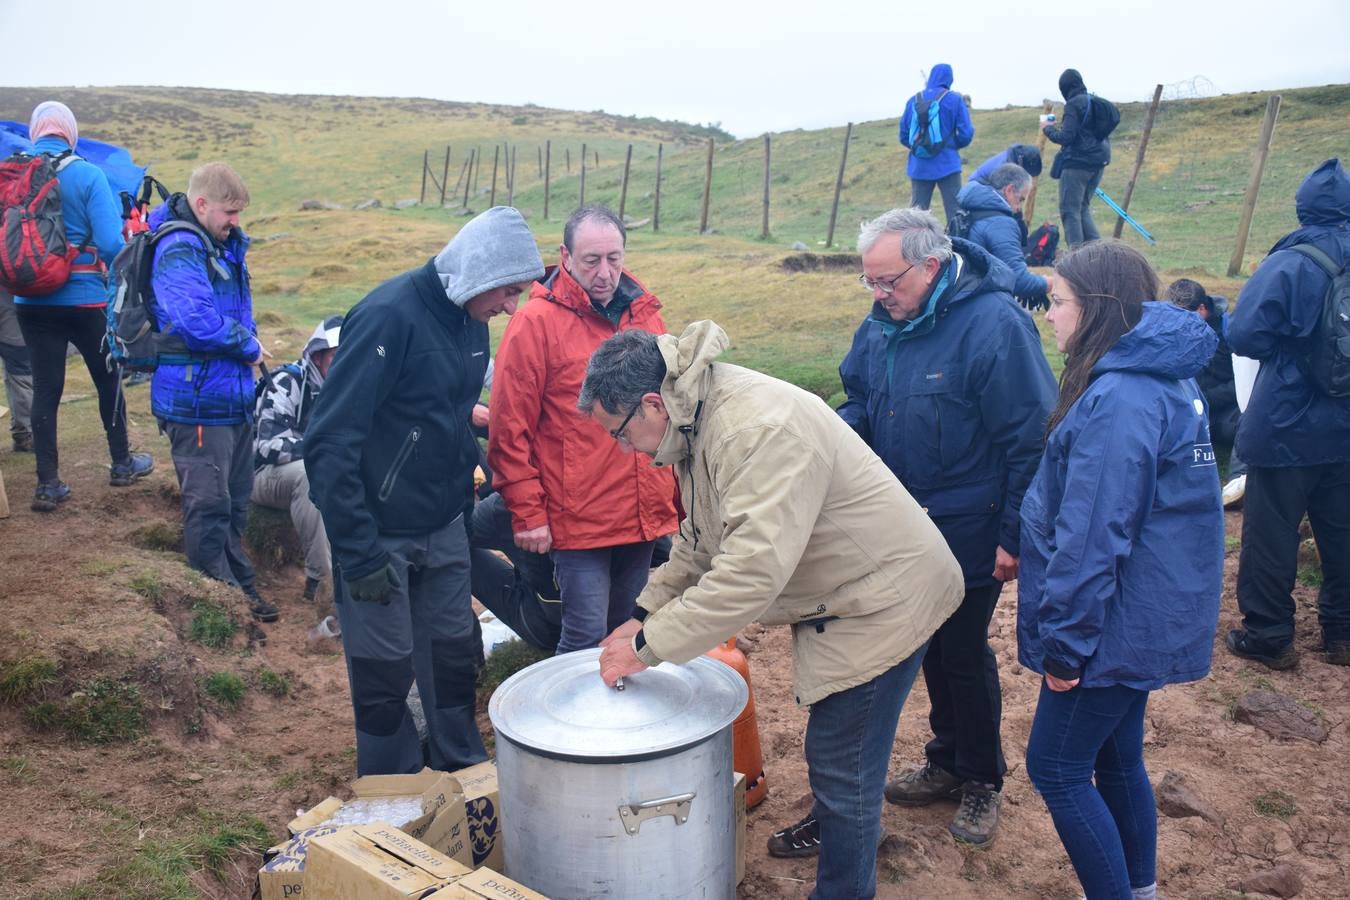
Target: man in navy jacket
<point x="1294" y="437"/>
<point x="995" y="208"/>
<point x="390" y="459"/>
<point x="947" y="382"/>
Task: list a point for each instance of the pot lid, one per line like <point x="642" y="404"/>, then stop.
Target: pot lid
<point x="560" y="707"/>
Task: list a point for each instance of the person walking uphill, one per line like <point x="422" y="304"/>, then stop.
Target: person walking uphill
<point x="792" y="521"/>
<point x="572" y="490"/>
<point x="390" y="459"/>
<point x="74" y="313"/>
<point x="1295" y="434"/>
<point x="1081" y="158"/>
<point x="935" y="126"/>
<point x="947" y="382"/>
<point x="204" y="402"/>
<point x="1122" y="557"/>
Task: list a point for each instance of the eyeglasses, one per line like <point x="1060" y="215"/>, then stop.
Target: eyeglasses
<point x="885" y="285"/>
<point x="618" y="433"/>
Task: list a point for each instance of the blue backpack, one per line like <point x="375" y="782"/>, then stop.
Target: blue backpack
<point x="926" y="139"/>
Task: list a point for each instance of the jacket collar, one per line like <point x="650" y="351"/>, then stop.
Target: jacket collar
<point x="689" y="377"/>
<point x="558" y="286"/>
<point x="427" y="282"/>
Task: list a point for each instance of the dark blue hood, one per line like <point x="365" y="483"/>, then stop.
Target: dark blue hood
<point x="1324" y="196"/>
<point x="1168" y="341"/>
<point x="940" y="77"/>
<point x="978" y="195"/>
<point x="1071" y="84"/>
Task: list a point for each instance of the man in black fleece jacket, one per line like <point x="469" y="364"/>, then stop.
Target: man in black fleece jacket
<point x="390" y="457"/>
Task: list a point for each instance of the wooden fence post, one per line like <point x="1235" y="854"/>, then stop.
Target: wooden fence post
<point x="492" y="196"/>
<point x="623" y="191"/>
<point x="445" y="174"/>
<point x="473" y="155"/>
<point x="707" y="190"/>
<point x="463" y="170"/>
<point x="1138" y="158"/>
<point x="540" y="151"/>
<point x="568" y="151"/>
<point x="548" y="161"/>
<point x="838" y="186"/>
<point x="764" y="231"/>
<point x="511" y="179"/>
<point x="478" y="168"/>
<point x="1254" y="186"/>
<point x="656" y="207"/>
<point x="597" y="158"/>
<point x="1029" y="208"/>
<point x="422" y="198"/>
<point x="582" y="201"/>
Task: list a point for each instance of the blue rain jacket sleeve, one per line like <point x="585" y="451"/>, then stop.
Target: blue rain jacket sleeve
<point x="854" y="409"/>
<point x="1110" y="479"/>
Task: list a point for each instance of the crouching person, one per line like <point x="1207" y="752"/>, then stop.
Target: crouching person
<point x="390" y="461"/>
<point x="791" y="520"/>
<point x="283" y="412"/>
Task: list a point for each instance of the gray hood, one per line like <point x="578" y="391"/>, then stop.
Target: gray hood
<point x="493" y="249"/>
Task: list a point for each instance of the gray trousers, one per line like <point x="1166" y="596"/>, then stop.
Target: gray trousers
<point x="1077" y="187"/>
<point x="287" y="487"/>
<point x="18" y="368"/>
<point x="215" y="474"/>
<point x="424" y="632"/>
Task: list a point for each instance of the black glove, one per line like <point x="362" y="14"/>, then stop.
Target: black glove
<point x="375" y="587"/>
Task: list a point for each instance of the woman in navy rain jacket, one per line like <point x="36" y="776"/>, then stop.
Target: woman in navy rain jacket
<point x="1122" y="557"/>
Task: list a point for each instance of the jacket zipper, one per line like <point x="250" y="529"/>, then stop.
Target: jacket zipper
<point x="409" y="444"/>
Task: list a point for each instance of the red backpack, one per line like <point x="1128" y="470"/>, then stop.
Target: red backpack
<point x="35" y="257"/>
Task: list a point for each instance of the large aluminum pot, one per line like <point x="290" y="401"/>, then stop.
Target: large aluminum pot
<point x="624" y="794"/>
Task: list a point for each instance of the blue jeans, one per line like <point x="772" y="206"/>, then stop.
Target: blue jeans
<point x="1109" y="829"/>
<point x="598" y="588"/>
<point x="848" y="745"/>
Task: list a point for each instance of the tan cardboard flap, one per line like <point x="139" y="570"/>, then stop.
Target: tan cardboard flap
<point x="482" y="805"/>
<point x="311" y="817"/>
<point x="375" y="861"/>
<point x="486" y="883"/>
<point x="738" y="804"/>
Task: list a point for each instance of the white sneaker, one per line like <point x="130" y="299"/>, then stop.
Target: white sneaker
<point x="1233" y="491"/>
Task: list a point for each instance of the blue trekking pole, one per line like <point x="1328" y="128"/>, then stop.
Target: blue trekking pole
<point x="1106" y="198"/>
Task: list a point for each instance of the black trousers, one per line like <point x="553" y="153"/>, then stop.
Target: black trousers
<point x="46" y="331"/>
<point x="1272" y="509"/>
<point x="962" y="677"/>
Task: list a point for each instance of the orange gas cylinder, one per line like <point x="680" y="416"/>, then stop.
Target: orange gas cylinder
<point x="748" y="756"/>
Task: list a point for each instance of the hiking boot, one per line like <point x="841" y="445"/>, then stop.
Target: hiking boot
<point x="977" y="818"/>
<point x="1233" y="492"/>
<point x="1338" y="652"/>
<point x="261" y="609"/>
<point x="311" y="588"/>
<point x="137" y="465"/>
<point x="50" y="494"/>
<point x="796" y="841"/>
<point x="23" y="441"/>
<point x="1241" y="644"/>
<point x="922" y="786"/>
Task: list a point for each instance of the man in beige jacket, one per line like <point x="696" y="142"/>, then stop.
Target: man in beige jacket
<point x="791" y="519"/>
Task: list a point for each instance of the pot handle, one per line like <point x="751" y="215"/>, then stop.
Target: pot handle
<point x="634" y="814"/>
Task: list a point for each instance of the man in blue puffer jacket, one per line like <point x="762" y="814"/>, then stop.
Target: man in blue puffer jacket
<point x="995" y="209"/>
<point x="947" y="382"/>
<point x="1294" y="437"/>
<point x="942" y="169"/>
<point x="205" y="406"/>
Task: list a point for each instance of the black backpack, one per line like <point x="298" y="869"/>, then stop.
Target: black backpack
<point x="1041" y="245"/>
<point x="135" y="339"/>
<point x="926" y="139"/>
<point x="960" y="224"/>
<point x="1104" y="117"/>
<point x="1329" y="359"/>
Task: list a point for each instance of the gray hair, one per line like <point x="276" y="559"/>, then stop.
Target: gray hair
<point x="1010" y="173"/>
<point x="622" y="369"/>
<point x="920" y="234"/>
<point x="598" y="213"/>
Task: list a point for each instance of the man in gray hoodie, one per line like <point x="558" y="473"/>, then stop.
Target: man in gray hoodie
<point x="390" y="461"/>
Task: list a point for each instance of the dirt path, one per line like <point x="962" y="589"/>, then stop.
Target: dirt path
<point x="87" y="819"/>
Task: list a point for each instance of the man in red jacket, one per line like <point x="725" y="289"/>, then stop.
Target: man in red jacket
<point x="573" y="491"/>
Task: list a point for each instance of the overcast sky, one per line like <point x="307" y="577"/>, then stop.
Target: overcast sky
<point x="753" y="67"/>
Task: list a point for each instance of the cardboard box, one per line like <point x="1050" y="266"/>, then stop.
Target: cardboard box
<point x="485" y="883"/>
<point x="738" y="804"/>
<point x="442" y="824"/>
<point x="282" y="876"/>
<point x="482" y="806"/>
<point x="376" y="862"/>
